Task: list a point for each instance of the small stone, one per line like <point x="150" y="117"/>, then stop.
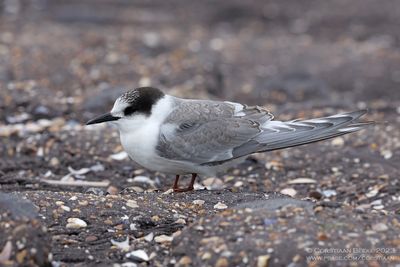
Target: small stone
<point x="302" y="180"/>
<point x="387" y="154"/>
<point x="329" y="193"/>
<point x="59" y="203"/>
<point x="112" y="190"/>
<point x="338" y="141"/>
<point x="119" y="156"/>
<point x="206" y="256"/>
<point x="376" y="202"/>
<point x="123" y="245"/>
<point x="5" y="253"/>
<point x="222" y="262"/>
<point x="238" y="184"/>
<point x="75" y="223"/>
<point x="185" y="260"/>
<point x="137" y="189"/>
<point x="335" y="169"/>
<point x="149" y="237"/>
<point x="296" y="258"/>
<point x="322" y="236"/>
<point x="54" y="162"/>
<point x="380" y="227"/>
<point x="199" y="202"/>
<point x="91" y="238"/>
<point x="262" y="261"/>
<point x="213" y="183"/>
<point x="143" y="180"/>
<point x="132" y="204"/>
<point x="220" y="206"/>
<point x="20" y="256"/>
<point x="66" y="208"/>
<point x="168" y="192"/>
<point x="315" y="194"/>
<point x="83" y="203"/>
<point x="163" y="239"/>
<point x="289" y="191"/>
<point x="139" y="254"/>
<point x="372" y="193"/>
<point x="180" y="221"/>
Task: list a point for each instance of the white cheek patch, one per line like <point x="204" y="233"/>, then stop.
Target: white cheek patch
<point x="118" y="108"/>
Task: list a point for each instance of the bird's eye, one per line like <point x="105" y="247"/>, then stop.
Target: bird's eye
<point x="129" y="110"/>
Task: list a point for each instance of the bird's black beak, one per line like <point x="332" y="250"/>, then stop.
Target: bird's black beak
<point x="103" y="118"/>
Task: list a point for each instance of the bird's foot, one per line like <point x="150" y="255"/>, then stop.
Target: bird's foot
<point x="181" y="190"/>
<point x="187" y="189"/>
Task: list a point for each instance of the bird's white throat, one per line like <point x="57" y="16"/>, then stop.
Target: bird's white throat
<point x="139" y="133"/>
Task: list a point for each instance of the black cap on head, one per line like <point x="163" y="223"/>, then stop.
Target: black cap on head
<point x="141" y="100"/>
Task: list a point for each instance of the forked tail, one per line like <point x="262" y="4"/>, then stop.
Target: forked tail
<point x="278" y="134"/>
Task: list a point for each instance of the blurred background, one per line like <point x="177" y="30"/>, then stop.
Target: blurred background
<point x="68" y="57"/>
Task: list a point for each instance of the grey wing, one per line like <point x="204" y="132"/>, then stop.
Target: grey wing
<point x="210" y="132"/>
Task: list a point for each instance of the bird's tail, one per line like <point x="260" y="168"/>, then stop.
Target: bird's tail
<point x="278" y="134"/>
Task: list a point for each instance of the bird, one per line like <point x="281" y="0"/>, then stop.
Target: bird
<point x="179" y="136"/>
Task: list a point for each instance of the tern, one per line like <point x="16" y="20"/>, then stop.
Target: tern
<point x="179" y="136"/>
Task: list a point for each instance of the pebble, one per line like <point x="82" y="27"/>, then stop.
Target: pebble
<point x="66" y="208"/>
<point x="376" y="202"/>
<point x="91" y="238"/>
<point x="262" y="261"/>
<point x="54" y="162"/>
<point x="199" y="202"/>
<point x="149" y="237"/>
<point x="180" y="221"/>
<point x="138" y="254"/>
<point x="206" y="256"/>
<point x="112" y="190"/>
<point x="97" y="168"/>
<point x="338" y="141"/>
<point x="238" y="184"/>
<point x="143" y="179"/>
<point x="372" y="193"/>
<point x="302" y="180"/>
<point x="163" y="239"/>
<point x="75" y="223"/>
<point x="119" y="156"/>
<point x="124" y="245"/>
<point x="185" y="260"/>
<point x="169" y="191"/>
<point x="132" y="204"/>
<point x="6" y="252"/>
<point x="387" y="154"/>
<point x="329" y="193"/>
<point x="213" y="183"/>
<point x="220" y="206"/>
<point x="380" y="227"/>
<point x="315" y="195"/>
<point x="289" y="191"/>
<point x="222" y="262"/>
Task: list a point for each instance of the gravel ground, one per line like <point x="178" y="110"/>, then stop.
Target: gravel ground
<point x="69" y="196"/>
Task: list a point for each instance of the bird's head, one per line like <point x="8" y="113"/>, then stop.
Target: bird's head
<point x="132" y="107"/>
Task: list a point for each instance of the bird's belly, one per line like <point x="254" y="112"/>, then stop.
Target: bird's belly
<point x="140" y="146"/>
